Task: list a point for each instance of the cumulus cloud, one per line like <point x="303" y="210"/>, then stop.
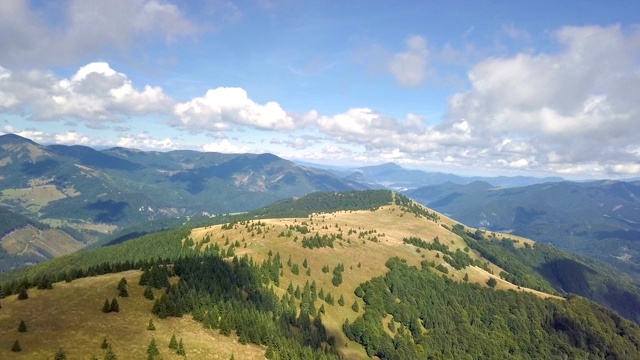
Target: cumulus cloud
<point x="220" y="108"/>
<point x="67" y="31"/>
<point x="225" y="146"/>
<point x="72" y="138"/>
<point x="410" y="67"/>
<point x="146" y="142"/>
<point x="575" y="109"/>
<point x="94" y="95"/>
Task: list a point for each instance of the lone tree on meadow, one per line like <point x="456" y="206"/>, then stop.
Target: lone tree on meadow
<point x="23" y="295"/>
<point x="16" y="346"/>
<point x="152" y="349"/>
<point x="115" y="307"/>
<point x="492" y="282"/>
<point x="60" y="355"/>
<point x="173" y="343"/>
<point x="106" y="307"/>
<point x="22" y="327"/>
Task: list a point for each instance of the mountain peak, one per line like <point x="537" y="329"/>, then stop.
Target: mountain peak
<point x="13" y="139"/>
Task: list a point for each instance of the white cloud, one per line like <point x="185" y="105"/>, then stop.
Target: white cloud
<point x="575" y="109"/>
<point x="410" y="67"/>
<point x="219" y="108"/>
<point x="146" y="142"/>
<point x="94" y="95"/>
<point x="225" y="146"/>
<point x="64" y="32"/>
<point x="72" y="138"/>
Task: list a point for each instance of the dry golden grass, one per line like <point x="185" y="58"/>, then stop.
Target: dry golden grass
<point x="363" y="259"/>
<point x="70" y="317"/>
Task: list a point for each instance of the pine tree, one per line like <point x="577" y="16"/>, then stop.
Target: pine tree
<point x="16" y="347"/>
<point x="110" y="355"/>
<point x="341" y="300"/>
<point x="22" y="327"/>
<point x="60" y="355"/>
<point x="152" y="349"/>
<point x="180" y="350"/>
<point x="104" y="344"/>
<point x="115" y="307"/>
<point x="23" y="295"/>
<point x="148" y="293"/>
<point x="466" y="277"/>
<point x="106" y="307"/>
<point x="304" y="263"/>
<point x="173" y="343"/>
<point x="355" y="307"/>
<point x="151" y="326"/>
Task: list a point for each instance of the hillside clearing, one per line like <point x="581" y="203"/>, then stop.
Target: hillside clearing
<point x="69" y="316"/>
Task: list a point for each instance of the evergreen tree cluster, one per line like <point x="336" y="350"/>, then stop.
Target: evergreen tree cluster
<point x="232" y="297"/>
<point x="317" y="241"/>
<point x="412" y="207"/>
<point x="440" y="318"/>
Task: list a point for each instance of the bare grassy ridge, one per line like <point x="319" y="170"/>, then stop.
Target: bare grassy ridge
<point x="70" y="316"/>
<point x="362" y="257"/>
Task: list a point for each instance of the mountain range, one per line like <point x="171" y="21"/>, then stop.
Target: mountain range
<point x="90" y="193"/>
<point x="600" y="219"/>
<point x="395" y="177"/>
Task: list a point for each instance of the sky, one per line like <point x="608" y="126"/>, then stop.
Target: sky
<point x="538" y="88"/>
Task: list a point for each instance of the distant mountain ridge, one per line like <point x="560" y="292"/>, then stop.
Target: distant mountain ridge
<point x="96" y="192"/>
<point x="600" y="219"/>
<point x="393" y="176"/>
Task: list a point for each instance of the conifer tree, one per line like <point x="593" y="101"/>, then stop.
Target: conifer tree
<point x="173" y="343"/>
<point x="341" y="300"/>
<point x="106" y="307"/>
<point x="152" y="349"/>
<point x="115" y="307"/>
<point x="148" y="293"/>
<point x="22" y="327"/>
<point x="16" y="346"/>
<point x="104" y="344"/>
<point x="355" y="307"/>
<point x="180" y="350"/>
<point x="110" y="355"/>
<point x="60" y="355"/>
<point x="151" y="326"/>
<point x="23" y="295"/>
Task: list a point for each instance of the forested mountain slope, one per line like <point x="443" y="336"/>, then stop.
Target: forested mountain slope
<point x="600" y="219"/>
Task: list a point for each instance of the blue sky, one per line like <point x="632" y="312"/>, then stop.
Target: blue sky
<point x="468" y="87"/>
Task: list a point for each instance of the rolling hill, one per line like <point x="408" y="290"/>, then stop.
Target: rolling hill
<point x="599" y="219"/>
<point x="352" y="275"/>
